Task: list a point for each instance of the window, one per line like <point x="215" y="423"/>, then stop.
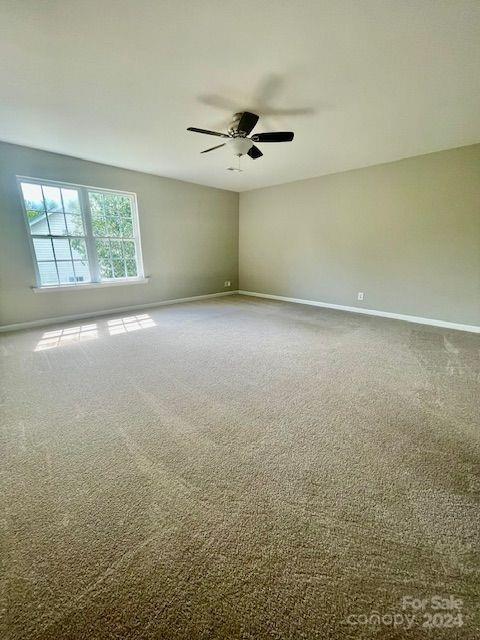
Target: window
<point x="80" y="234"/>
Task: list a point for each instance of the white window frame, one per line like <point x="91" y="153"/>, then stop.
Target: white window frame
<point x="96" y="280"/>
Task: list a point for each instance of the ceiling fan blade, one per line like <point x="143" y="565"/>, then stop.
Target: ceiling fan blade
<point x="247" y="122"/>
<point x="254" y="152"/>
<point x="212" y="148"/>
<point x="276" y="136"/>
<point x="209" y="133"/>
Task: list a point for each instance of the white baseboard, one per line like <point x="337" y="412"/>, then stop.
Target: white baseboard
<point x="370" y="312"/>
<point x="93" y="314"/>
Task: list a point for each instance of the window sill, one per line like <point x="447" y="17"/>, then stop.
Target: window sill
<point x="91" y="285"/>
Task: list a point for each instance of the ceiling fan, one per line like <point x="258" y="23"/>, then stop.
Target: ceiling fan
<point x="239" y="129"/>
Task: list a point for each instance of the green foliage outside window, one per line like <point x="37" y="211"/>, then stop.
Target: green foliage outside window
<point x="112" y="226"/>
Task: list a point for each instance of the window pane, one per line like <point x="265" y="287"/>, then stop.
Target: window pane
<point x="82" y="271"/>
<point x="39" y="227"/>
<point x="96" y="203"/>
<point x="129" y="249"/>
<point x="119" y="268"/>
<point x="117" y="259"/>
<point x="103" y="253"/>
<point x="74" y="224"/>
<point x="33" y="198"/>
<point x="116" y="204"/>
<point x="62" y="248"/>
<point x="99" y="226"/>
<point x="113" y="227"/>
<point x="65" y="272"/>
<point x="71" y="203"/>
<point x="43" y="248"/>
<point x="48" y="273"/>
<point x="79" y="249"/>
<point x="127" y="227"/>
<point x="131" y="268"/>
<point x="116" y="249"/>
<point x="57" y="224"/>
<point x="53" y="201"/>
<point x="106" y="272"/>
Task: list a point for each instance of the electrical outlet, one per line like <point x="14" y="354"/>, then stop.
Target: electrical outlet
<point x="360" y="295"/>
<point x="227" y="283"/>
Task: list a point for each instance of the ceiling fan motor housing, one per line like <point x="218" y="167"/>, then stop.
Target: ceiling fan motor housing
<point x="234" y="127"/>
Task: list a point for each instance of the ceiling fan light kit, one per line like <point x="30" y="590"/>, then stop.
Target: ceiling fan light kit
<point x="239" y="129"/>
<point x="240" y="146"/>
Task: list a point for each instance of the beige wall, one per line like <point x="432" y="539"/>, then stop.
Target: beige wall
<point x="406" y="233"/>
<point x="189" y="237"/>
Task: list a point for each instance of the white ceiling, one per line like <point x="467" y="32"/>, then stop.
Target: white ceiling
<point x="359" y="81"/>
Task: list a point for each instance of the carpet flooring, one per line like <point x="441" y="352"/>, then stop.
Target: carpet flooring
<point x="239" y="468"/>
